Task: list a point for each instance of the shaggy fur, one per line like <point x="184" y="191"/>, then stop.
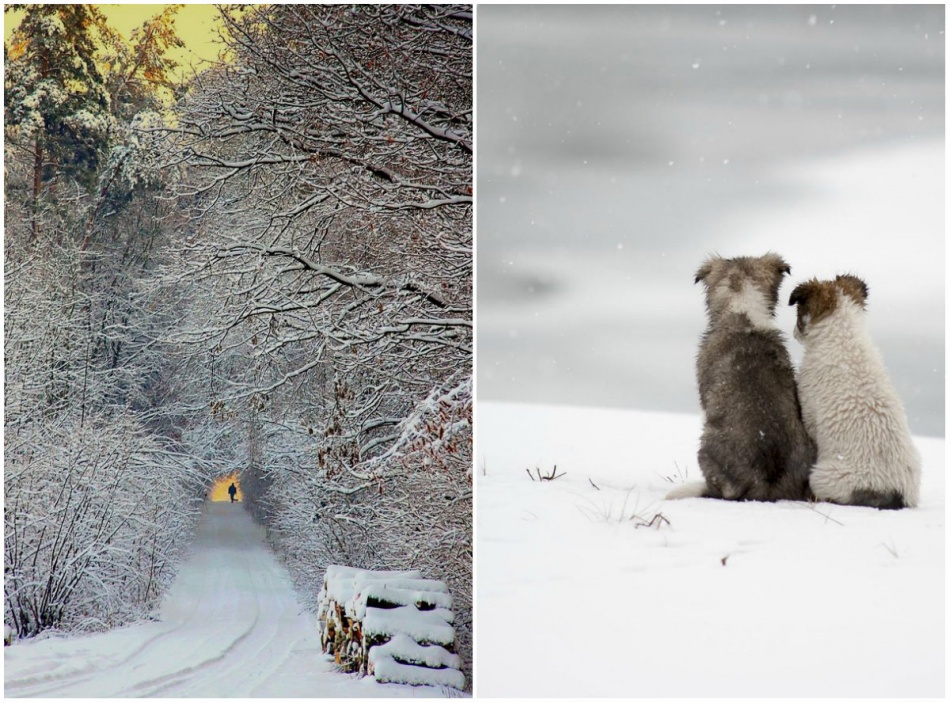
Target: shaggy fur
<point x="865" y="452"/>
<point x="754" y="445"/>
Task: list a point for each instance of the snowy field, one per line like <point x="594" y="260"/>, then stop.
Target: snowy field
<point x="593" y="585"/>
<point x="230" y="626"/>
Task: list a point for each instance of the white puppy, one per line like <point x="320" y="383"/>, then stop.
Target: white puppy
<point x="865" y="452"/>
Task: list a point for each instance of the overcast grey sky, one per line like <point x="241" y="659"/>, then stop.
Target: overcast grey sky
<point x="619" y="145"/>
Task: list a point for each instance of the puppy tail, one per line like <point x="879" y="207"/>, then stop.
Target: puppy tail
<point x="693" y="489"/>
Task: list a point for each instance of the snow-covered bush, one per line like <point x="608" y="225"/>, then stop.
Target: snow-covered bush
<point x="94" y="515"/>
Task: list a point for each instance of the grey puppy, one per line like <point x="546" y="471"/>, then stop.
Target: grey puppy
<point x="754" y="445"/>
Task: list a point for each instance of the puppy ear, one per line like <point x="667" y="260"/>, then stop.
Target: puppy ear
<point x="815" y="300"/>
<point x="799" y="296"/>
<point x="854" y="287"/>
<point x="777" y="263"/>
<point x="704" y="271"/>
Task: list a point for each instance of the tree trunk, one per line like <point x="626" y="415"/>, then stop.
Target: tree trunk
<point x="37" y="186"/>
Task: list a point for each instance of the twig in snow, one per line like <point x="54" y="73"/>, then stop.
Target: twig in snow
<point x="656" y="521"/>
<point x="593" y="484"/>
<point x="546" y="477"/>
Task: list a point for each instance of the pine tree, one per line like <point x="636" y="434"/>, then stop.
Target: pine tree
<point x="56" y="101"/>
<point x="139" y="73"/>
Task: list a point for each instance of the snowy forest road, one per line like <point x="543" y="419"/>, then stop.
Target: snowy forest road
<point x="230" y="626"/>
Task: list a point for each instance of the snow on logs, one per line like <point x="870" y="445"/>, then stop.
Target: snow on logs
<point x="393" y="625"/>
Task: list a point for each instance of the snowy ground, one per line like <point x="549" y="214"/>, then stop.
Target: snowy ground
<point x="230" y="626"/>
<point x="576" y="596"/>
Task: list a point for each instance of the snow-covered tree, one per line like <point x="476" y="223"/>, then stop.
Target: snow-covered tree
<point x="98" y="484"/>
<point x="275" y="278"/>
<point x="56" y="103"/>
<point x="327" y="168"/>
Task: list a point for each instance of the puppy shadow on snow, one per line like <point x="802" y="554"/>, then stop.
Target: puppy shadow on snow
<point x="838" y="432"/>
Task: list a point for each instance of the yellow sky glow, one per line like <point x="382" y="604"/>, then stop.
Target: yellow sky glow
<point x="219" y="491"/>
<point x="195" y="24"/>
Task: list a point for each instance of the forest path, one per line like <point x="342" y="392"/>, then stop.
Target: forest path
<point x="230" y="626"/>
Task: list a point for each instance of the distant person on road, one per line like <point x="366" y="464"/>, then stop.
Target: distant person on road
<point x="232" y="491"/>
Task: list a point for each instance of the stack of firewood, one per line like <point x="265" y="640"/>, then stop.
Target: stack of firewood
<point x="393" y="625"/>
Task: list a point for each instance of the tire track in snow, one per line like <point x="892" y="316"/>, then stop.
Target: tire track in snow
<point x="244" y="657"/>
<point x="219" y="569"/>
